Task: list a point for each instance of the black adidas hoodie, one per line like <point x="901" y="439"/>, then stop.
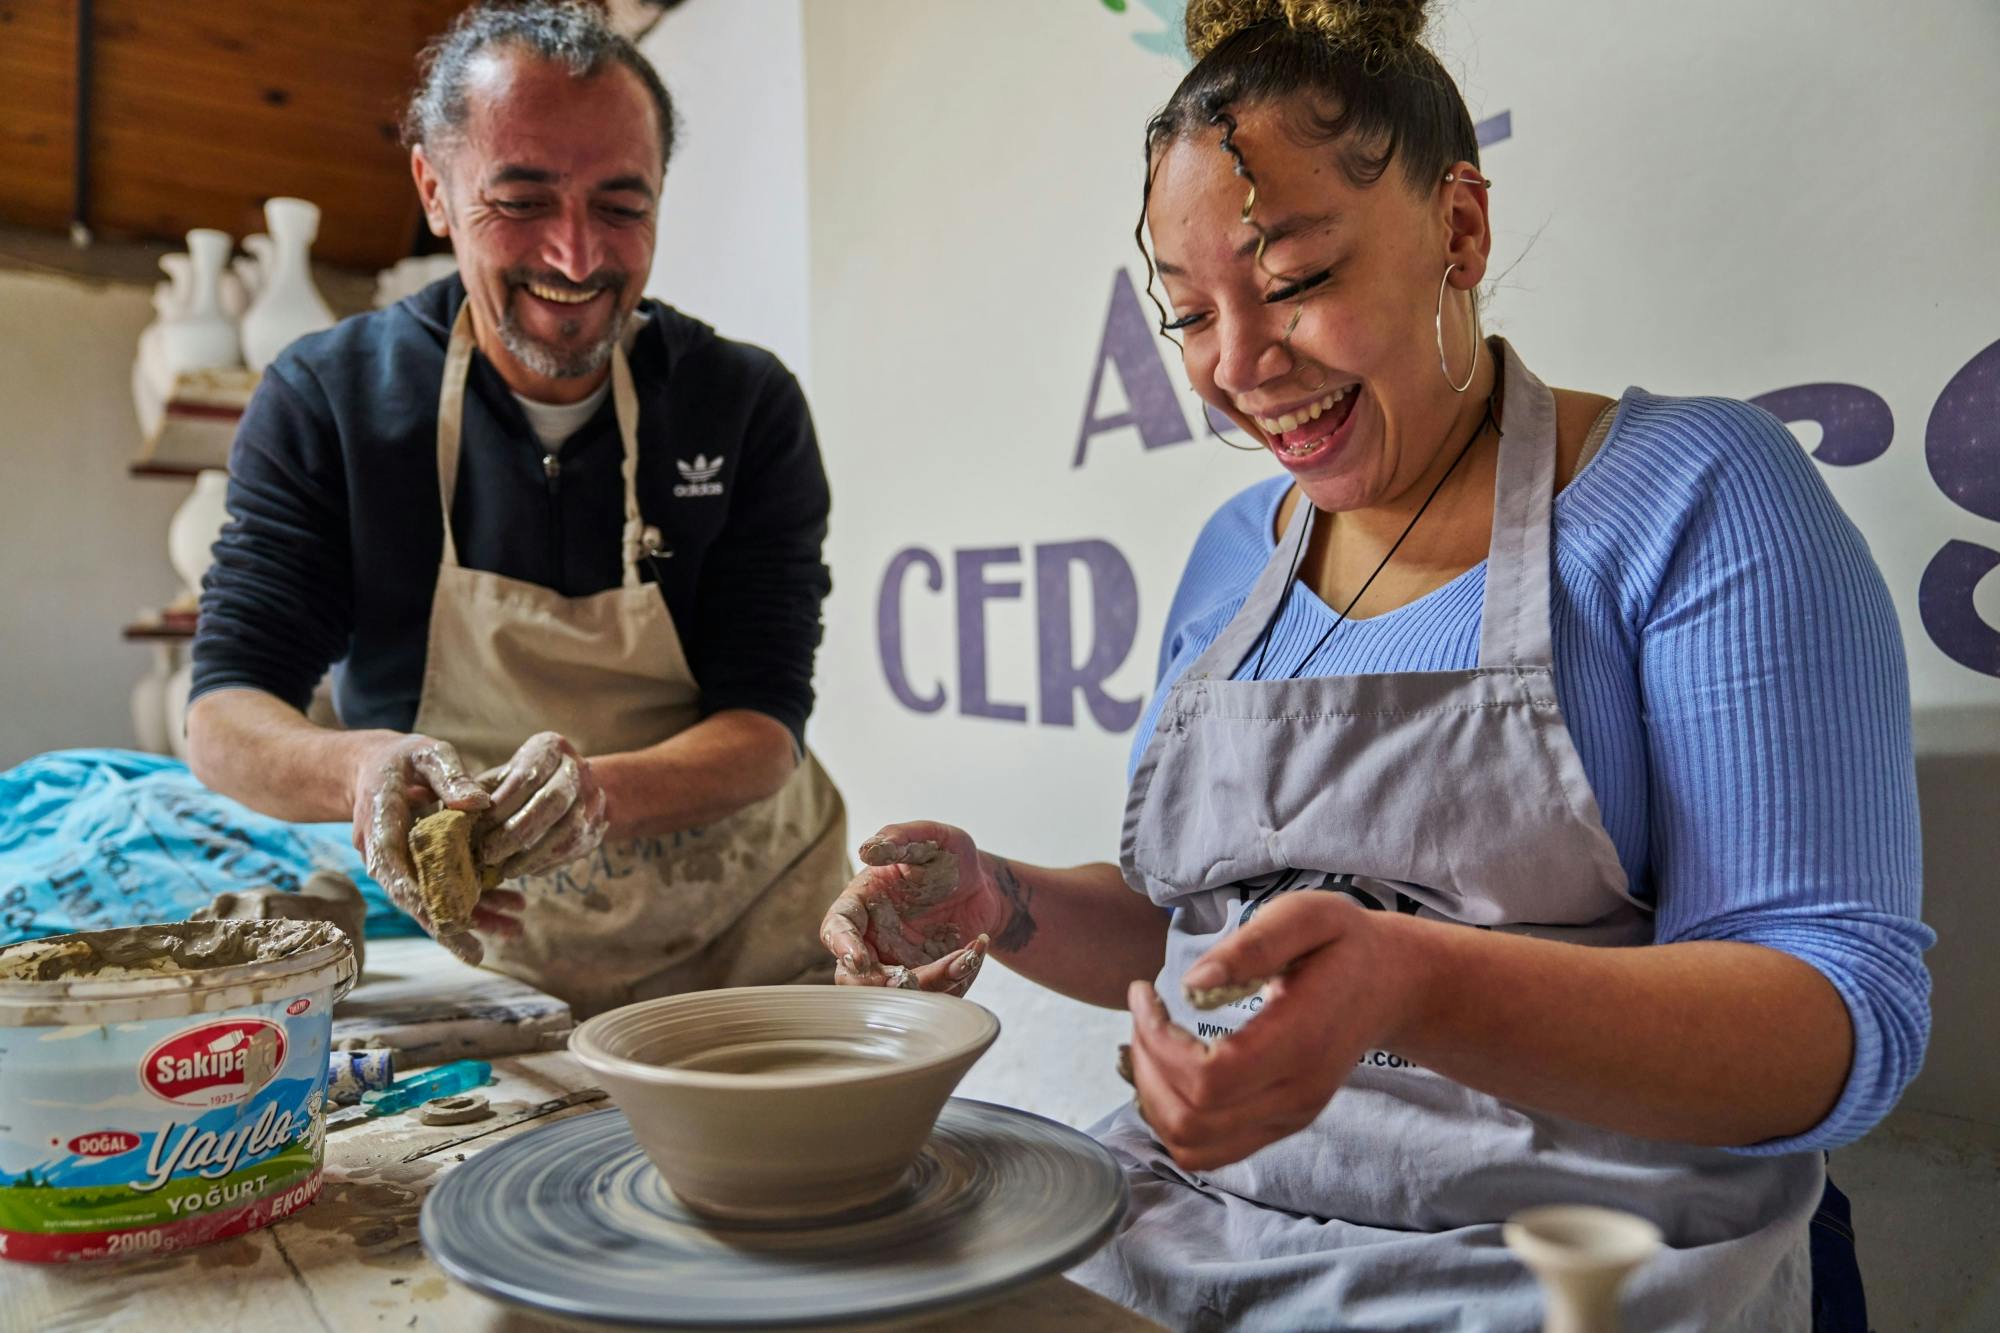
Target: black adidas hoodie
<point x="332" y="551"/>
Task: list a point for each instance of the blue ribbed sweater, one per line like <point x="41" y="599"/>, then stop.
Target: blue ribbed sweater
<point x="1728" y="661"/>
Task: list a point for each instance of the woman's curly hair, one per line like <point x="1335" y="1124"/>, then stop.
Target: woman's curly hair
<point x="1383" y="28"/>
<point x="1354" y="74"/>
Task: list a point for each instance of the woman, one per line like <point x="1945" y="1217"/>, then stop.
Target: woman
<point x="1612" y="681"/>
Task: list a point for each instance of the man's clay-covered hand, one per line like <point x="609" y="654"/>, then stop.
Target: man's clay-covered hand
<point x="391" y="784"/>
<point x="547" y="809"/>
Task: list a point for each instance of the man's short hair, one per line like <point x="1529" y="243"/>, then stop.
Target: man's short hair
<point x="573" y="34"/>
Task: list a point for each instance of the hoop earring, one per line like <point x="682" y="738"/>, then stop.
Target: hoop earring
<point x="1286" y="342"/>
<point x="1474" y="349"/>
<point x="1209" y="426"/>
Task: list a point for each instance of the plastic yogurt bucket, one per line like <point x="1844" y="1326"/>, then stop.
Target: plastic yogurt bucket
<point x="163" y="1086"/>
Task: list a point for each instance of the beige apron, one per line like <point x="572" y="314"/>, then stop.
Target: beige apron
<point x="735" y="903"/>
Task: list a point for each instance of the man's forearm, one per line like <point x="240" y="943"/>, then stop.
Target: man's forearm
<point x="1080" y="930"/>
<point x="716" y="767"/>
<point x="260" y="750"/>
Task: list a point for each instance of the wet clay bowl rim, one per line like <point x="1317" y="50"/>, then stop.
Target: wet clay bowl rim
<point x="785" y="1147"/>
<point x="591" y="1041"/>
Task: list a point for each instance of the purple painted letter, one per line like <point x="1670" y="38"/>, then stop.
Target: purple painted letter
<point x="1128" y="344"/>
<point x="1962" y="448"/>
<point x="973" y="593"/>
<point x="1944" y="600"/>
<point x="1855" y="424"/>
<point x="1114" y="619"/>
<point x="889" y="626"/>
<point x="1962" y="442"/>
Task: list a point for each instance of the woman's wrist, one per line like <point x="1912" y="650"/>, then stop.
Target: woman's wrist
<point x="1415" y="953"/>
<point x="1009" y="907"/>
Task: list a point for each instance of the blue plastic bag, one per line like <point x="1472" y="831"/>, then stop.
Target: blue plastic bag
<point x="92" y="839"/>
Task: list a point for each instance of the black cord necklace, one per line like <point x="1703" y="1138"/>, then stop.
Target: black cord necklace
<point x="1298" y="553"/>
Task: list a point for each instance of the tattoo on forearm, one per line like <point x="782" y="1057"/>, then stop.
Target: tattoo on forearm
<point x="1020" y="927"/>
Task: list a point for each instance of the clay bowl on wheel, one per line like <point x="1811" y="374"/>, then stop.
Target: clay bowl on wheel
<point x="784" y="1103"/>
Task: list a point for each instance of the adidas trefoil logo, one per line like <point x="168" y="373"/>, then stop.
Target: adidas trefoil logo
<point x="698" y="476"/>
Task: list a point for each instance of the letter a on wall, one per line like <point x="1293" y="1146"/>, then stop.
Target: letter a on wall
<point x="1149" y="391"/>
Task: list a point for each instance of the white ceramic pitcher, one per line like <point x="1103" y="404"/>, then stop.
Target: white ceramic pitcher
<point x="287" y="305"/>
<point x="1581" y="1256"/>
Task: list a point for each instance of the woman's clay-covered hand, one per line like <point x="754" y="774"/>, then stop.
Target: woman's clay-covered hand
<point x="391" y="785"/>
<point x="547" y="809"/>
<point x="1336" y="992"/>
<point x="923" y="891"/>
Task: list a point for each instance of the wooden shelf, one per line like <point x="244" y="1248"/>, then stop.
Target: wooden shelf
<point x="164" y="628"/>
<point x="198" y="424"/>
<point x="174" y="471"/>
<point x="136" y="263"/>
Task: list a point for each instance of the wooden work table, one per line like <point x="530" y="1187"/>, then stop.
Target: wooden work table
<point x="353" y="1260"/>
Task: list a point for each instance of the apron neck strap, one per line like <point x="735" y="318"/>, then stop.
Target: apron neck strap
<point x="1240" y="635"/>
<point x="1514" y="618"/>
<point x="451" y="425"/>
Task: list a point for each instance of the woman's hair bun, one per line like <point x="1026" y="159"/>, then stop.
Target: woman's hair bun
<point x="1379" y="27"/>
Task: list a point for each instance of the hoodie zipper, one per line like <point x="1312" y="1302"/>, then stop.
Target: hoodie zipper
<point x="552" y="469"/>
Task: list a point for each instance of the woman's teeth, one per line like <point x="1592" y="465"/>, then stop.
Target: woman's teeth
<point x="562" y="297"/>
<point x="1293" y="420"/>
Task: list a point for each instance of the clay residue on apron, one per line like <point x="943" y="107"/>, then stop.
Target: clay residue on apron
<point x="736" y="902"/>
<point x="160" y="950"/>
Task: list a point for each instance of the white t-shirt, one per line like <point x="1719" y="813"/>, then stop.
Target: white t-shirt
<point x="555" y="422"/>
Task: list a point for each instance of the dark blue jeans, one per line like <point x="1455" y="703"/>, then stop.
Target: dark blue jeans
<point x="1838" y="1303"/>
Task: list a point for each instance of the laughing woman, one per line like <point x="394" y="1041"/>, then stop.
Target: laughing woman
<point x="1528" y="791"/>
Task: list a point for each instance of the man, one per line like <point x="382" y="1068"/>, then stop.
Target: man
<point x="564" y="545"/>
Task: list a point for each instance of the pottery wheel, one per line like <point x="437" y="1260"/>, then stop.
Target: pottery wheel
<point x="572" y="1219"/>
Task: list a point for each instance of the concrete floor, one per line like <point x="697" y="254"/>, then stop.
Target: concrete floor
<point x="1926" y="1192"/>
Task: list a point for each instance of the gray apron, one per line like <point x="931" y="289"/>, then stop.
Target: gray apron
<point x="1453" y="795"/>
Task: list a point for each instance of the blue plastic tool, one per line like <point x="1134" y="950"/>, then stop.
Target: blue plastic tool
<point x="443" y="1081"/>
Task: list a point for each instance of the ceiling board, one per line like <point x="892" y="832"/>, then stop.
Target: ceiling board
<point x="202" y="109"/>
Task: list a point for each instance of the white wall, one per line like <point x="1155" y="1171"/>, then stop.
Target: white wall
<point x="732" y="247"/>
<point x="83" y="546"/>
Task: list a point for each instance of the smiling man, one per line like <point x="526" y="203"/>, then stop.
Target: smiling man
<point x="560" y="545"/>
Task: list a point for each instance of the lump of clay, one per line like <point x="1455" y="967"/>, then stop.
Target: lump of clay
<point x="1229" y="992"/>
<point x="444" y="849"/>
<point x="327" y="895"/>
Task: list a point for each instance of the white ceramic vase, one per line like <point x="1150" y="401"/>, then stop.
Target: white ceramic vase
<point x="408" y="276"/>
<point x="151" y="381"/>
<point x="201" y="335"/>
<point x="250" y="268"/>
<point x="196" y="524"/>
<point x="286" y="305"/>
<point x="1581" y="1256"/>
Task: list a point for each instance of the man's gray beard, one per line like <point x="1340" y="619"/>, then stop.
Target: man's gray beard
<point x="538" y="357"/>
